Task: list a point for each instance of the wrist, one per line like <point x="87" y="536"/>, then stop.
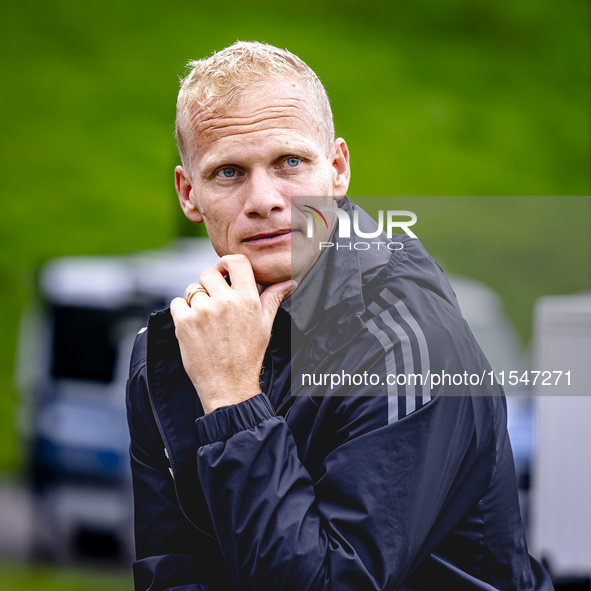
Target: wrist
<point x="211" y="403"/>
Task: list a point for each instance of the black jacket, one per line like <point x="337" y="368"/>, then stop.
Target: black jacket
<point x="388" y="484"/>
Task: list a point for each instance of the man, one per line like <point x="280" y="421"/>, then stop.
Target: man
<point x="247" y="474"/>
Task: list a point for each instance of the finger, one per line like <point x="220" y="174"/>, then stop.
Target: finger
<point x="194" y="292"/>
<point x="272" y="297"/>
<point x="193" y="287"/>
<point x="240" y="271"/>
<point x="178" y="308"/>
<point x="213" y="281"/>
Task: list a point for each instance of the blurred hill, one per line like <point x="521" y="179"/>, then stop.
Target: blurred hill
<point x="466" y="99"/>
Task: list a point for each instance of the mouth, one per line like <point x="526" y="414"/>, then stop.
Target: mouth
<point x="270" y="237"/>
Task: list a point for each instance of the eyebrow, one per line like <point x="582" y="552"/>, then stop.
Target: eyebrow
<point x="296" y="148"/>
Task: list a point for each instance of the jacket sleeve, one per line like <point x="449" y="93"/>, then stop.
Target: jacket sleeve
<point x="376" y="508"/>
<point x="165" y="561"/>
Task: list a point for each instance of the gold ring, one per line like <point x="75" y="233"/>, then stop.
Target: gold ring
<point x="192" y="293"/>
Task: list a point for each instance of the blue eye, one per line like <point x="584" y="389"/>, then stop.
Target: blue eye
<point x="293" y="161"/>
<point x="227" y="173"/>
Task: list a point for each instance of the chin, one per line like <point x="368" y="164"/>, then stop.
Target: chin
<point x="268" y="277"/>
<point x="272" y="271"/>
<point x="278" y="267"/>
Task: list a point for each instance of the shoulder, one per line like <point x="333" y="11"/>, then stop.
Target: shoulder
<point x="138" y="353"/>
<point x="155" y="344"/>
<point x="411" y="270"/>
<point x="136" y="388"/>
<point x="410" y="298"/>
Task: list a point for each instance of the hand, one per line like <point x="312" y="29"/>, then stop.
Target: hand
<point x="223" y="335"/>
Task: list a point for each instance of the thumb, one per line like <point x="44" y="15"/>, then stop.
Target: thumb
<point x="272" y="297"/>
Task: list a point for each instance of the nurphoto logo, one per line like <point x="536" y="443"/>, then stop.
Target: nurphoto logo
<point x="344" y="226"/>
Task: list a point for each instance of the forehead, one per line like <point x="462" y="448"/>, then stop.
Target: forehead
<point x="279" y="112"/>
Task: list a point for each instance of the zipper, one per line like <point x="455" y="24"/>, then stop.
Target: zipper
<point x="162" y="436"/>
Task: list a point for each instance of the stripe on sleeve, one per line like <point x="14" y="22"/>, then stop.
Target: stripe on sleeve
<point x="396" y="323"/>
<point x="399" y="406"/>
<point x="390" y="362"/>
<point x="419" y="334"/>
<point x="405" y="404"/>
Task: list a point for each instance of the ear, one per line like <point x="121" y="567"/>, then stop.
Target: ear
<point x="184" y="189"/>
<point x="341" y="172"/>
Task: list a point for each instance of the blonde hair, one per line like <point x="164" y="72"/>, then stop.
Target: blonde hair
<point x="216" y="82"/>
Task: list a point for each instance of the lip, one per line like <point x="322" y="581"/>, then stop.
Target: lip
<point x="269" y="237"/>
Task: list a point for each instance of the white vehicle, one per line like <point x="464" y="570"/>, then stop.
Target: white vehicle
<point x="562" y="469"/>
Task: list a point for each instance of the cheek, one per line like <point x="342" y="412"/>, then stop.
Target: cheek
<point x="218" y="229"/>
<point x="222" y="215"/>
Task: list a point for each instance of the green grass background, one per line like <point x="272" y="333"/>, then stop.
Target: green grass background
<point x="485" y="102"/>
<point x="23" y="577"/>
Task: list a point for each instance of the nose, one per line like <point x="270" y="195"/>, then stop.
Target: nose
<point x="263" y="195"/>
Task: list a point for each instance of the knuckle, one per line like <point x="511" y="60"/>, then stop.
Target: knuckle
<point x="227" y="300"/>
<point x="174" y="305"/>
<point x="205" y="274"/>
